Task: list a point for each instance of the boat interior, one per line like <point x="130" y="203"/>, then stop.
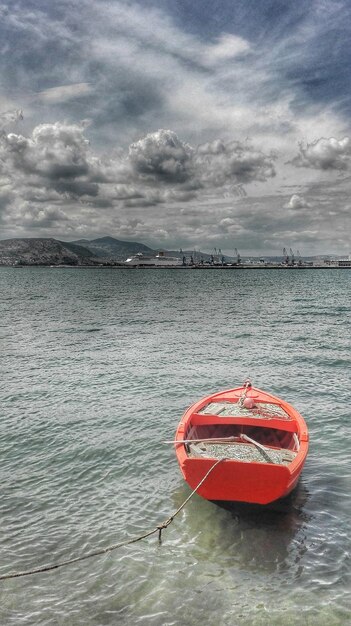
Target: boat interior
<point x="242" y="442"/>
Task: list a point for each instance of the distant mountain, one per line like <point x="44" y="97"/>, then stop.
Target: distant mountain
<point x="40" y="251"/>
<point x="102" y="251"/>
<point x="109" y="248"/>
<point x="113" y="249"/>
<point x="43" y="252"/>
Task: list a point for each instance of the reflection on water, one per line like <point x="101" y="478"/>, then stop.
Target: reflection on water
<point x="268" y="539"/>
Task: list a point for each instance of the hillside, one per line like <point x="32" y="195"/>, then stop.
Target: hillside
<point x="43" y="252"/>
<point x="101" y="251"/>
<point x="109" y="248"/>
<point x="113" y="249"/>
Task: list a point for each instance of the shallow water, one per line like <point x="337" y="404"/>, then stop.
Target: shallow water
<point x="97" y="368"/>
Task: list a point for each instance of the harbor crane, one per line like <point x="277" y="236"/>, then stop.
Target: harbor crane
<point x="238" y="257"/>
<point x="285" y="257"/>
<point x="292" y="256"/>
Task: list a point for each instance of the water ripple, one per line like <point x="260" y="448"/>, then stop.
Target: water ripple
<point x="96" y="379"/>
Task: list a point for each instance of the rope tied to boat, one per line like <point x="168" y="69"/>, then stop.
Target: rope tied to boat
<point x="158" y="529"/>
<point x="170" y="519"/>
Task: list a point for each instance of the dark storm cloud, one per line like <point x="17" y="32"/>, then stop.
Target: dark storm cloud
<point x="76" y="188"/>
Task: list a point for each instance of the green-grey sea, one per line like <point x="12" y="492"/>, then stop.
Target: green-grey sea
<point x="97" y="367"/>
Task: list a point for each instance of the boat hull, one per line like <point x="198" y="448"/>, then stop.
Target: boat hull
<point x="239" y="482"/>
<point x="258" y="482"/>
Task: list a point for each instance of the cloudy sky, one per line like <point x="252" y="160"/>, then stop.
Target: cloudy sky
<point x="178" y="123"/>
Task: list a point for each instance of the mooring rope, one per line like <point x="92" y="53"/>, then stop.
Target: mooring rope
<point x="159" y="528"/>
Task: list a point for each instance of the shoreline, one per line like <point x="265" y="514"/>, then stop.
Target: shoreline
<point x="186" y="267"/>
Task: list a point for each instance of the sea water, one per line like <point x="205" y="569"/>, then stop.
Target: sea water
<point x="97" y="367"/>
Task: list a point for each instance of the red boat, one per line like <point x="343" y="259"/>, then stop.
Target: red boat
<point x="262" y="441"/>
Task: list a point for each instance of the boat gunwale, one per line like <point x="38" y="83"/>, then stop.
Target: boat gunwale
<point x="295" y="418"/>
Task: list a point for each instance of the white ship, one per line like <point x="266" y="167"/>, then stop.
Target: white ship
<point x="159" y="260"/>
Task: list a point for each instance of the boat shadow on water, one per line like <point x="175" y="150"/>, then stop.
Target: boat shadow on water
<point x="252" y="538"/>
<point x="272" y="537"/>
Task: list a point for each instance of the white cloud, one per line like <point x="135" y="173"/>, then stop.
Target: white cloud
<point x="34" y="216"/>
<point x="10" y="117"/>
<point x="64" y="93"/>
<point x="226" y="48"/>
<point x="325" y="154"/>
<point x="161" y="156"/>
<point x="296" y="202"/>
<point x="54" y="153"/>
<point x="57" y="165"/>
<point x="234" y="162"/>
<point x="53" y="182"/>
